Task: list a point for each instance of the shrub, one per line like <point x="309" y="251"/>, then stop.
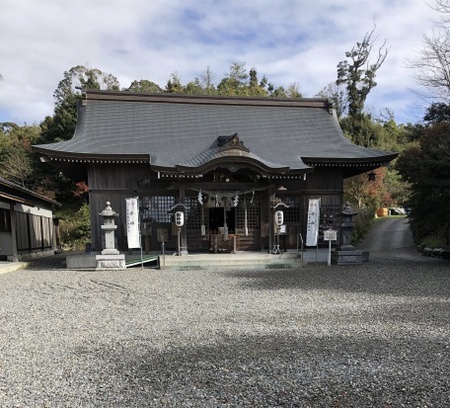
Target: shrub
<point x="363" y="223"/>
<point x="75" y="228"/>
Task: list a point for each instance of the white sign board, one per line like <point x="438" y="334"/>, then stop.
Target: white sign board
<point x="312" y="230"/>
<point x="132" y="210"/>
<point x="330" y="235"/>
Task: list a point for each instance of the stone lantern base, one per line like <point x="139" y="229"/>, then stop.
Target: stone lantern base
<point x="347" y="257"/>
<point x="110" y="261"/>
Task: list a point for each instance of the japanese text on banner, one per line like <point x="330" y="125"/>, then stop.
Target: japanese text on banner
<point x="132" y="210"/>
<point x="312" y="231"/>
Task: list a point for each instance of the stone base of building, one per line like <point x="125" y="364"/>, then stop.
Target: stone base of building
<point x="354" y="257"/>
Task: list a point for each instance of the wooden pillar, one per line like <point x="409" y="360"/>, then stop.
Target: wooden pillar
<point x="271" y="198"/>
<point x="12" y="212"/>
<point x="184" y="243"/>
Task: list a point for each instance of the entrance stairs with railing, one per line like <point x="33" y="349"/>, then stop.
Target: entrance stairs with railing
<point x="242" y="260"/>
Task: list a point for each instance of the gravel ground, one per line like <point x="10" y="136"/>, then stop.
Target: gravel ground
<point x="376" y="335"/>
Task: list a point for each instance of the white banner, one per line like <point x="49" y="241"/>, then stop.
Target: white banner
<point x="312" y="231"/>
<point x="133" y="223"/>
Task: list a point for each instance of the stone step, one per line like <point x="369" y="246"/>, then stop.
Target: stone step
<point x="229" y="261"/>
<point x="193" y="261"/>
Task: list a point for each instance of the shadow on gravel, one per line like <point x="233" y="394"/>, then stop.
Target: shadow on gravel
<point x="285" y="371"/>
<point x="57" y="261"/>
<point x="400" y="278"/>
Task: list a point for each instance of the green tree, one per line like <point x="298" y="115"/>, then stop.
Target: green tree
<point x="279" y="92"/>
<point x="235" y="83"/>
<point x="16" y="159"/>
<point x="144" y="86"/>
<point x="399" y="190"/>
<point x="361" y="130"/>
<point x="336" y="94"/>
<point x="358" y="75"/>
<point x="255" y="87"/>
<point x="75" y="227"/>
<point x="367" y="196"/>
<point x="293" y="91"/>
<point x="67" y="94"/>
<point x="426" y="166"/>
<point x="194" y="88"/>
<point x="437" y="112"/>
<point x="174" y="84"/>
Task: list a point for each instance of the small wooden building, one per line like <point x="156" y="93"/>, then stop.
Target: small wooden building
<point x="226" y="162"/>
<point x="26" y="223"/>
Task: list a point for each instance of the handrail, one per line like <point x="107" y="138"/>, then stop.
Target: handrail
<point x="301" y="245"/>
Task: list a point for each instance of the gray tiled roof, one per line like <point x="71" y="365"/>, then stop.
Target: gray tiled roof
<point x="16" y="193"/>
<point x="175" y="130"/>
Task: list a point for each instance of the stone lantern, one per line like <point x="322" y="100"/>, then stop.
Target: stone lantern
<point x="346" y="253"/>
<point x="347" y="225"/>
<point x="109" y="226"/>
<point x="110" y="257"/>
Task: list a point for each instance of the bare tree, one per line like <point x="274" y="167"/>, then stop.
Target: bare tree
<point x="442" y="7"/>
<point x="432" y="64"/>
<point x="16" y="165"/>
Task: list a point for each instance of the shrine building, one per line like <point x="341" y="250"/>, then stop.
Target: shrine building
<point x="227" y="163"/>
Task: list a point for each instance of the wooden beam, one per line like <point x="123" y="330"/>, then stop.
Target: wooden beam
<point x="13" y="232"/>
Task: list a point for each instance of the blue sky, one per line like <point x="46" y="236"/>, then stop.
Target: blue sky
<point x="288" y="41"/>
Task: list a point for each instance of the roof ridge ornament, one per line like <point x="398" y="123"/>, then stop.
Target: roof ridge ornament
<point x="231" y="142"/>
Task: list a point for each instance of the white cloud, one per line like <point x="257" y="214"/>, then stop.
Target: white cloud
<point x="286" y="40"/>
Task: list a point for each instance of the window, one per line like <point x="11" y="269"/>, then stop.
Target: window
<point x="5" y="220"/>
<point x="156" y="208"/>
<point x="292" y="212"/>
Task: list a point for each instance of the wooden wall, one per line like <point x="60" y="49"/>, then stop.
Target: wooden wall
<point x="115" y="183"/>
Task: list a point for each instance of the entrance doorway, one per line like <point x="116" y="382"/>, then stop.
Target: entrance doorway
<point x="217" y="219"/>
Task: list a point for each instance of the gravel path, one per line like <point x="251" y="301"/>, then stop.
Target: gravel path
<point x="376" y="335"/>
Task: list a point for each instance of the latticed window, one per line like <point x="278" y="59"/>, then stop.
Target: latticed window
<point x="156" y="208"/>
<point x="194" y="213"/>
<point x="329" y="216"/>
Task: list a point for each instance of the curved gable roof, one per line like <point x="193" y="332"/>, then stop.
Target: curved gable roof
<point x="173" y="130"/>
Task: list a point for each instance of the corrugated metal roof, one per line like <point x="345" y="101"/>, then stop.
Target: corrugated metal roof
<point x="180" y="130"/>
